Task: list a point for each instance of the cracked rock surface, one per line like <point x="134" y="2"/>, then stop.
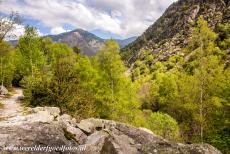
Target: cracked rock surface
<point x="44" y="126"/>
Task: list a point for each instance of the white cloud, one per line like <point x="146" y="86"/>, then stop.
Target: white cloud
<point x="125" y="17"/>
<point x="17" y="31"/>
<point x="57" y="30"/>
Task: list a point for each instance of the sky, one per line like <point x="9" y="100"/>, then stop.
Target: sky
<point x="105" y="18"/>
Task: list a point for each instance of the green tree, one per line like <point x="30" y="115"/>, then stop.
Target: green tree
<point x="65" y="81"/>
<point x="115" y="93"/>
<point x="203" y="44"/>
<point x="7" y="67"/>
<point x="29" y="48"/>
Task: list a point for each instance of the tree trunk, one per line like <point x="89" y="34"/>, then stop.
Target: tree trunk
<point x="2" y="80"/>
<point x="201" y="111"/>
<point x="31" y="63"/>
<point x="201" y="90"/>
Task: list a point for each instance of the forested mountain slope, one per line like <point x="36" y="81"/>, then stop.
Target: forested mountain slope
<point x="169" y="34"/>
<point x="181" y="63"/>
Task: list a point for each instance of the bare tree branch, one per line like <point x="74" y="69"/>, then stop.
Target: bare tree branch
<point x="7" y="25"/>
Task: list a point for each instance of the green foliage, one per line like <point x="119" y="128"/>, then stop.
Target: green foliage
<point x="30" y="53"/>
<point x="66" y="86"/>
<point x="193" y="89"/>
<point x="224" y="36"/>
<point x="190" y="91"/>
<point x="115" y="92"/>
<point x="163" y="125"/>
<point x="6" y="64"/>
<point x="76" y="49"/>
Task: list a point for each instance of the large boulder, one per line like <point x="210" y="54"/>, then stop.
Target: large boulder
<point x="105" y="136"/>
<point x="44" y="126"/>
<point x="34" y="134"/>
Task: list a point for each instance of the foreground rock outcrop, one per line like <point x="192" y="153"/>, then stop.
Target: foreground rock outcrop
<point x="45" y="127"/>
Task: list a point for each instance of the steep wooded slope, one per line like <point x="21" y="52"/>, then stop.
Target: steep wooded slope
<point x="169" y="34"/>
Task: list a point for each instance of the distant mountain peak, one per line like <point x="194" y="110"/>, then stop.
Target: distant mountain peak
<point x="87" y="42"/>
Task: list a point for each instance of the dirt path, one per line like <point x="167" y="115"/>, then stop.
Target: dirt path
<point x="11" y="107"/>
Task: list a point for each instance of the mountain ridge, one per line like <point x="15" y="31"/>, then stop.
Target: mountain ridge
<point x="87" y="42"/>
<point x="171" y="30"/>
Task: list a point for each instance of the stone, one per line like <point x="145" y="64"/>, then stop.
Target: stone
<point x="146" y="130"/>
<point x="40" y="116"/>
<point x="90" y="125"/>
<point x="95" y="136"/>
<point x="34" y="134"/>
<point x="36" y="109"/>
<point x="3" y="90"/>
<point x="65" y="120"/>
<point x="20" y="98"/>
<point x="95" y="142"/>
<point x="120" y="144"/>
<point x="173" y="29"/>
<point x="79" y="136"/>
<point x="55" y="111"/>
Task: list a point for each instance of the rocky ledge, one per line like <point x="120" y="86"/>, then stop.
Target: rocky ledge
<point x="44" y="126"/>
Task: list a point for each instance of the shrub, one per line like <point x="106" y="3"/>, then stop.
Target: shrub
<point x="164" y="125"/>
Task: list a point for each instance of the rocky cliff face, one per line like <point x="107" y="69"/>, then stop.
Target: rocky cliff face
<point x="44" y="126"/>
<point x="170" y="32"/>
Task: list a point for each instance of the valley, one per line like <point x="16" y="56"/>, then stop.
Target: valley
<point x="165" y="91"/>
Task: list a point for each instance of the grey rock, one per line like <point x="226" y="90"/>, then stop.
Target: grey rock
<point x="79" y="136"/>
<point x="90" y="125"/>
<point x="34" y="134"/>
<point x="96" y="136"/>
<point x="66" y="120"/>
<point x="40" y="116"/>
<point x="120" y="144"/>
<point x="95" y="142"/>
<point x="173" y="29"/>
<point x="54" y="111"/>
<point x="3" y="90"/>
